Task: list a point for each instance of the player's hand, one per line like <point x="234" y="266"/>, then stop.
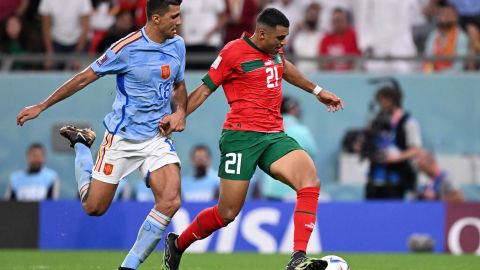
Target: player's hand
<point x="330" y="100"/>
<point x="28" y="113"/>
<point x="173" y="122"/>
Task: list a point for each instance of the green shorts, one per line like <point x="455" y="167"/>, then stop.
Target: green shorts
<point x="242" y="151"/>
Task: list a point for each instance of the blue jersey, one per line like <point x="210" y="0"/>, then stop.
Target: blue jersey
<point x="32" y="186"/>
<point x="146" y="73"/>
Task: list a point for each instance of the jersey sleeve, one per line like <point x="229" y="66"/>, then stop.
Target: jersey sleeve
<point x="111" y="62"/>
<point x="219" y="71"/>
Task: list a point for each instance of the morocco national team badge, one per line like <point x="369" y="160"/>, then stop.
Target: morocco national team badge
<point x="108" y="168"/>
<point x="165" y="71"/>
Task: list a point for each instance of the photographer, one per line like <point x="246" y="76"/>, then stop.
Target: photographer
<point x="391" y="142"/>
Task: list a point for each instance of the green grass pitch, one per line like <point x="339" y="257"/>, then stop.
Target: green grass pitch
<point x="97" y="260"/>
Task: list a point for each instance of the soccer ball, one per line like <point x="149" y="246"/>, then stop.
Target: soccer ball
<point x="335" y="263"/>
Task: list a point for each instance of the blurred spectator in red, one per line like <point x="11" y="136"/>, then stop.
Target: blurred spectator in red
<point x="473" y="32"/>
<point x="342" y="41"/>
<point x="447" y="40"/>
<point x="439" y="186"/>
<point x="123" y="25"/>
<point x="102" y="18"/>
<point x="138" y="9"/>
<point x="65" y="27"/>
<point x="384" y="29"/>
<point x="307" y="38"/>
<point x="295" y="12"/>
<point x="207" y="35"/>
<point x="241" y="16"/>
<point x="12" y="7"/>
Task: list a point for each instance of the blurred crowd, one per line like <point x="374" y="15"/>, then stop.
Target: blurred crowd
<point x="324" y="34"/>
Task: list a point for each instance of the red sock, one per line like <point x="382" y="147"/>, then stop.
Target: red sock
<point x="305" y="216"/>
<point x="206" y="222"/>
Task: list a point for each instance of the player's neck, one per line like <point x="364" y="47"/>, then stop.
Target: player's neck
<point x="254" y="39"/>
<point x="154" y="35"/>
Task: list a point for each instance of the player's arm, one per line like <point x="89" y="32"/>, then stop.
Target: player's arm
<point x="292" y="75"/>
<point x="69" y="88"/>
<point x="197" y="97"/>
<point x="176" y="120"/>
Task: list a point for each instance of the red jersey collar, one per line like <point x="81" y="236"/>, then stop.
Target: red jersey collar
<point x="246" y="36"/>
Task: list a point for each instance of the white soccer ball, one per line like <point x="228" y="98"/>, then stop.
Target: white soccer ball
<point x="335" y="263"/>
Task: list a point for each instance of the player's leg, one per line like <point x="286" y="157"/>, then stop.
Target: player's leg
<point x="231" y="198"/>
<point x="162" y="172"/>
<point x="287" y="161"/>
<point x="95" y="195"/>
<point x="240" y="152"/>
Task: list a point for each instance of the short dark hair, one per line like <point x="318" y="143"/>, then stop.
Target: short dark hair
<point x="35" y="146"/>
<point x="199" y="147"/>
<point x="446" y="4"/>
<point x="272" y="17"/>
<point x="391" y="93"/>
<point x="160" y="6"/>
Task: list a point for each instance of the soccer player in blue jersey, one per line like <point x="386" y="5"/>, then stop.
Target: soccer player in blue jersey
<point x="149" y="65"/>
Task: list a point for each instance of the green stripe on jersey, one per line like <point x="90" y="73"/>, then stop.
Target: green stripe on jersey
<point x="252" y="65"/>
<point x="209" y="82"/>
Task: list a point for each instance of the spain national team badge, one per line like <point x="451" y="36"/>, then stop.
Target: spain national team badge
<point x="108" y="168"/>
<point x="165" y="72"/>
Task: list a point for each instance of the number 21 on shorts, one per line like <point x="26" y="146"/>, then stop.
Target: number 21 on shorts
<point x="234" y="160"/>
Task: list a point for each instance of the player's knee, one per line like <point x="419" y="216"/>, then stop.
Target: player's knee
<point x="94" y="210"/>
<point x="169" y="206"/>
<point x="229" y="214"/>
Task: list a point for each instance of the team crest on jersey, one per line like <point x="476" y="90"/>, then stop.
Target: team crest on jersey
<point x="165" y="71"/>
<point x="108" y="168"/>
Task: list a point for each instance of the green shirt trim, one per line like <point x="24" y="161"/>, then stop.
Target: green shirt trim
<point x="209" y="82"/>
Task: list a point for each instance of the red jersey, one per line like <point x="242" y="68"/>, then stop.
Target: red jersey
<point x="252" y="82"/>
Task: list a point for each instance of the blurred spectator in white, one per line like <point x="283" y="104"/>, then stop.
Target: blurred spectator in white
<point x="307" y="38"/>
<point x="439" y="186"/>
<point x="328" y="6"/>
<point x="102" y="18"/>
<point x="468" y="11"/>
<point x="241" y="15"/>
<point x="203" y="184"/>
<point x="473" y="32"/>
<point x="271" y="188"/>
<point x="384" y="29"/>
<point x="447" y="39"/>
<point x="295" y="12"/>
<point x="423" y="14"/>
<point x="12" y="7"/>
<point x="202" y="26"/>
<point x="65" y="26"/>
<point x="342" y="41"/>
<point x="123" y="26"/>
<point x="36" y="182"/>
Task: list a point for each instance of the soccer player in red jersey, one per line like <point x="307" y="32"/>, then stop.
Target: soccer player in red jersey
<point x="251" y="70"/>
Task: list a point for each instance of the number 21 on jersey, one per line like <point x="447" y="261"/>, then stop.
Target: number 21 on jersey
<point x="272" y="76"/>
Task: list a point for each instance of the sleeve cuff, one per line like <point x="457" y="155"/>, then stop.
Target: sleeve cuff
<point x="209" y="82"/>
